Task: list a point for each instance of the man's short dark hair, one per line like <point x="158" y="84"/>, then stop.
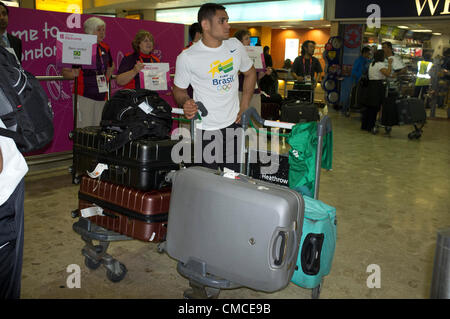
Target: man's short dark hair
<point x="207" y="11"/>
<point x="365" y="50"/>
<point x="5" y="6"/>
<point x="388" y="44"/>
<point x="305" y="45"/>
<point x="193" y="29"/>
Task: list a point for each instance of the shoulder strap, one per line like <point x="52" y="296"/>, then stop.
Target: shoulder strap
<point x="11" y="134"/>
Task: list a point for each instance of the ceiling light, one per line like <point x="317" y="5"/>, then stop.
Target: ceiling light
<point x="311" y="28"/>
<point x="327" y="25"/>
<point x="420" y="30"/>
<point x="437" y="33"/>
<point x="403" y="27"/>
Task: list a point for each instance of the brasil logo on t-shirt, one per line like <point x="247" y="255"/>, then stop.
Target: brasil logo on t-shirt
<point x="218" y="67"/>
<point x="223" y="69"/>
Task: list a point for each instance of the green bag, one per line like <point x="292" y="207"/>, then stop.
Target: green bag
<point x="302" y="156"/>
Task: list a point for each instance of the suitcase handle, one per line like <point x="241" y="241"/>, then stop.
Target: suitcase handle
<point x="283" y="247"/>
<point x="310" y="254"/>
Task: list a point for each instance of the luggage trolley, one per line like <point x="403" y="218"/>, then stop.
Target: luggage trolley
<point x="207" y="286"/>
<point x="96" y="255"/>
<point x="395" y="114"/>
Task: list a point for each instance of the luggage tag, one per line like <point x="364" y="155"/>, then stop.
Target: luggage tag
<point x="228" y="173"/>
<point x="102" y="84"/>
<point x="92" y="211"/>
<point x="97" y="172"/>
<point x="144" y="106"/>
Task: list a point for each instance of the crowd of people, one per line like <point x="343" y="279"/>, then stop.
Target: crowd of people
<point x="376" y="82"/>
<point x="226" y="95"/>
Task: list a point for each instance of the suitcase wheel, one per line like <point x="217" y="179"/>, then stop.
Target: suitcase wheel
<point x="116" y="277"/>
<point x="160" y="248"/>
<point x="316" y="291"/>
<point x="76" y="180"/>
<point x="92" y="264"/>
<point x="415" y="134"/>
<point x="375" y="130"/>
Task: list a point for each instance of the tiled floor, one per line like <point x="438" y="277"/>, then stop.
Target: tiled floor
<point x="391" y="196"/>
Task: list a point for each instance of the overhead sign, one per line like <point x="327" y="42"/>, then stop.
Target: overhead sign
<point x="68" y="6"/>
<point x="357" y="9"/>
<point x="261" y="11"/>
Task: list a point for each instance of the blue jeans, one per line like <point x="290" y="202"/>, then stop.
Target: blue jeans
<point x="11" y="243"/>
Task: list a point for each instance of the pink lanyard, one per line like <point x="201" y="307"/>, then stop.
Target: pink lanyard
<point x="310" y="66"/>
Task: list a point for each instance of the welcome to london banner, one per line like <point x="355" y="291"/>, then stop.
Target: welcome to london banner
<point x="38" y="29"/>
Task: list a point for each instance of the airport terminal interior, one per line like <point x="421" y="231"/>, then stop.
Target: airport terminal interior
<point x="390" y="191"/>
<point x="390" y="194"/>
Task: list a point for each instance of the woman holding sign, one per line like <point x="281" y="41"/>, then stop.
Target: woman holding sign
<point x="133" y="63"/>
<point x="92" y="82"/>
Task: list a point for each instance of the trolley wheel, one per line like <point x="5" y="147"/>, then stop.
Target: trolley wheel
<point x="375" y="130"/>
<point x="91" y="264"/>
<point x="76" y="180"/>
<point x="316" y="291"/>
<point x="160" y="249"/>
<point x="415" y="134"/>
<point x="388" y="129"/>
<point x="116" y="277"/>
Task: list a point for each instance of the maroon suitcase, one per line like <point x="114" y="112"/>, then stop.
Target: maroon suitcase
<point x="131" y="212"/>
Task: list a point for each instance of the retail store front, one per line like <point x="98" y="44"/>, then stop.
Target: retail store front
<point x="417" y="29"/>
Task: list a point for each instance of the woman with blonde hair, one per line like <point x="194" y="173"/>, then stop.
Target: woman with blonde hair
<point x="92" y="83"/>
<point x="133" y="62"/>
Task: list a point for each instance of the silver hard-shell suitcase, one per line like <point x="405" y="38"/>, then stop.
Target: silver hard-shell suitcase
<point x="245" y="231"/>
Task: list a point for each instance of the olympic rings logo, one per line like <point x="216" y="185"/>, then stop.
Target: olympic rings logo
<point x="224" y="87"/>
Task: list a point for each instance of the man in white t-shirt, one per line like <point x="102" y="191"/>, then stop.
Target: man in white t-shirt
<point x="211" y="67"/>
<point x="398" y="67"/>
<point x="12" y="171"/>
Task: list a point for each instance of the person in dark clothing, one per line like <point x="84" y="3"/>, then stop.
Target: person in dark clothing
<point x="269" y="82"/>
<point x="195" y="33"/>
<point x="307" y="68"/>
<point x="267" y="57"/>
<point x="13" y="169"/>
<point x="361" y="65"/>
<point x="7" y="40"/>
<point x="133" y="62"/>
<point x="374" y="94"/>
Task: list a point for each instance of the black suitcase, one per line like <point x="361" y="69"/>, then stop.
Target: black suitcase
<point x="302" y="92"/>
<point x="141" y="164"/>
<point x="389" y="113"/>
<point x="270" y="111"/>
<point x="411" y="111"/>
<point x="298" y="112"/>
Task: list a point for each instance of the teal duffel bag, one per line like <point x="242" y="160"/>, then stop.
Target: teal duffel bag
<point x="317" y="245"/>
